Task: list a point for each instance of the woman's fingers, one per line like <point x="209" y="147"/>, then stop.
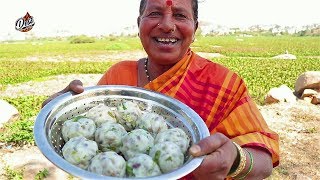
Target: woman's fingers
<point x="220" y="155"/>
<point x="208" y="145"/>
<point x="75" y="86"/>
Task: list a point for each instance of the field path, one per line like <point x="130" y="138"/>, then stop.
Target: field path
<point x="50" y="86"/>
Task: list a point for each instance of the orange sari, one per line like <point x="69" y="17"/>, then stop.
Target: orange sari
<point x="217" y="94"/>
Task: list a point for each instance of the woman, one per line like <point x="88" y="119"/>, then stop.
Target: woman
<point x="218" y="95"/>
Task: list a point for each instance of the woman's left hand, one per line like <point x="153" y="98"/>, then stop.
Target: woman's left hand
<point x="220" y="155"/>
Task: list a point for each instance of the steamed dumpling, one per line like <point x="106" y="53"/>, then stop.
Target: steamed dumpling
<point x="168" y="155"/>
<point x="79" y="151"/>
<point x="152" y="122"/>
<point x="142" y="165"/>
<point x="109" y="135"/>
<point x="127" y="114"/>
<point x="175" y="135"/>
<point x="108" y="164"/>
<point x="136" y="142"/>
<point x="78" y="126"/>
<point x="101" y="114"/>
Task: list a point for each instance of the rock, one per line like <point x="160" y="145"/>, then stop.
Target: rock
<point x="307" y="80"/>
<point x="315" y="99"/>
<point x="280" y="94"/>
<point x="301" y="177"/>
<point x="7" y="112"/>
<point x="273" y="96"/>
<point x="307" y="99"/>
<point x="285" y="56"/>
<point x="308" y="93"/>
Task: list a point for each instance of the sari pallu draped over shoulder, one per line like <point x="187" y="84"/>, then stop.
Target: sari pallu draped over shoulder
<point x="217" y="94"/>
<point x="221" y="99"/>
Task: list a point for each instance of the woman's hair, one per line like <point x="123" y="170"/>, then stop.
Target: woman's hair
<point x="194" y="8"/>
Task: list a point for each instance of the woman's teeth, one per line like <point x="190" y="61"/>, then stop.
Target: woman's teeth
<point x="167" y="40"/>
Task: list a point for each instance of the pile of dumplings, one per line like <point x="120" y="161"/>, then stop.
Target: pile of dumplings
<point x="123" y="141"/>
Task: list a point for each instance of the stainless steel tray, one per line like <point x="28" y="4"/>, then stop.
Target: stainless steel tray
<point x="47" y="128"/>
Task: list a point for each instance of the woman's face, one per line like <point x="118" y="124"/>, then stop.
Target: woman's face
<point x="166" y="32"/>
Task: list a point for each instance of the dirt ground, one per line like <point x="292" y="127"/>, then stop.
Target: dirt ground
<point x="297" y="124"/>
<point x="298" y="127"/>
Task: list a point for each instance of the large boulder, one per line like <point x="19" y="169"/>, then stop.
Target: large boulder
<point x="308" y="93"/>
<point x="286" y="55"/>
<point x="280" y="94"/>
<point x="7" y="112"/>
<point x="307" y="80"/>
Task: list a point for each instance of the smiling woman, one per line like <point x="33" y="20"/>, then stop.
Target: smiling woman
<point x="166" y="31"/>
<point x="241" y="145"/>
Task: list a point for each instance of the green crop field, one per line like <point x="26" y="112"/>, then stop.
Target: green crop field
<point x="54" y="47"/>
<point x="230" y="46"/>
<point x="264" y="46"/>
<point x="250" y="57"/>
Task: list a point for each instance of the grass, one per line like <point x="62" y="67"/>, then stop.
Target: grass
<point x="13" y="174"/>
<point x="13" y="72"/>
<point x="21" y="131"/>
<point x="231" y="46"/>
<point x="42" y="174"/>
<point x="23" y="49"/>
<point x="261" y="75"/>
<point x="264" y="46"/>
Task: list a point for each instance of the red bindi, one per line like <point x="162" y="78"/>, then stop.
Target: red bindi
<point x="169" y="2"/>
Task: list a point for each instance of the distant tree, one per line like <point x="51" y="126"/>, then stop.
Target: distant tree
<point x="81" y="39"/>
<point x="315" y="31"/>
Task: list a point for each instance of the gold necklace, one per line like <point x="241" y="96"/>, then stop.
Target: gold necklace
<point x="146" y="69"/>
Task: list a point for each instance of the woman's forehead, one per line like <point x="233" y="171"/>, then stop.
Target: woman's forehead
<point x="173" y="4"/>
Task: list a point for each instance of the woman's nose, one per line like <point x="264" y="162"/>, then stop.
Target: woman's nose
<point x="167" y="24"/>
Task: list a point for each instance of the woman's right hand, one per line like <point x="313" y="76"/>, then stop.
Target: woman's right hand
<point x="75" y="86"/>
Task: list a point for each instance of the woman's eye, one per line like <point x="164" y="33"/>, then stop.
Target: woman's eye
<point x="155" y="14"/>
<point x="180" y="16"/>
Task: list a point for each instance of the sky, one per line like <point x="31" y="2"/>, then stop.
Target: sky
<point x="94" y="17"/>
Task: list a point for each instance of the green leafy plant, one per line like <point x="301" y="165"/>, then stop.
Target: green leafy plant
<point x="13" y="174"/>
<point x="42" y="174"/>
<point x="21" y="131"/>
